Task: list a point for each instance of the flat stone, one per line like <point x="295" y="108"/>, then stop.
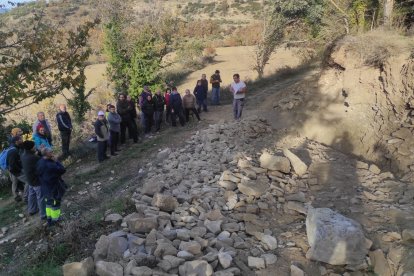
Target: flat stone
<point x="152" y="187"/>
<point x="269" y="259"/>
<point x="108" y="269"/>
<point x="228" y="185"/>
<point x="374" y="169"/>
<point x="165" y="248"/>
<point x="166" y="203"/>
<point x="297" y="206"/>
<point x="114" y="218"/>
<point x="185" y="255"/>
<point x="101" y="248"/>
<point x="141" y="271"/>
<point x="255" y="262"/>
<point x="408" y="235"/>
<point x="254" y="187"/>
<point x="298" y="165"/>
<point x="228" y="176"/>
<point x="274" y="163"/>
<point x="116" y="248"/>
<point x="192" y="246"/>
<point x="296" y="271"/>
<point x="380" y="264"/>
<point x="142" y="225"/>
<point x="213" y="226"/>
<point x="196" y="268"/>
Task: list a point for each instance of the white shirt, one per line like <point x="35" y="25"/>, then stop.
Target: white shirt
<point x="237" y="87"/>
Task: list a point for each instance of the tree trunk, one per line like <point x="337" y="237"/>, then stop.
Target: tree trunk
<point x="388" y="8"/>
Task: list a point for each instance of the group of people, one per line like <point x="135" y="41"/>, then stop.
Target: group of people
<point x="36" y="173"/>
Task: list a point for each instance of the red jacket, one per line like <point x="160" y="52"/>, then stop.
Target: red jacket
<point x="167" y="99"/>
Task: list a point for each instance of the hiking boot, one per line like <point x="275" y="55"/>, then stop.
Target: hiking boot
<point x="18" y="198"/>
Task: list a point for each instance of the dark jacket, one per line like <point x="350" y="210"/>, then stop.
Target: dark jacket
<point x="64" y="121"/>
<point x="133" y="109"/>
<point x="143" y="98"/>
<point x="176" y="102"/>
<point x="13" y="160"/>
<point x="200" y="92"/>
<point x="29" y="163"/>
<point x="148" y="107"/>
<point x="204" y="84"/>
<point x="50" y="173"/>
<point x="124" y="109"/>
<point x="159" y="102"/>
<point x="101" y="130"/>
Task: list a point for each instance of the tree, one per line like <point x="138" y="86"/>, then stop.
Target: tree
<point x="39" y="62"/>
<point x="79" y="99"/>
<point x="388" y="10"/>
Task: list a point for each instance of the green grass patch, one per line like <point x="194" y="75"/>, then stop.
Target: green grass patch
<point x="9" y="213"/>
<point x="51" y="264"/>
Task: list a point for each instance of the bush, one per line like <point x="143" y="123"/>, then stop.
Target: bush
<point x="190" y="54"/>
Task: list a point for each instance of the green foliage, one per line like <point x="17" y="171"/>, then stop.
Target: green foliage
<point x="79" y="101"/>
<point x="52" y="264"/>
<point x="145" y="64"/>
<point x="190" y="53"/>
<point x="117" y="54"/>
<point x="39" y="62"/>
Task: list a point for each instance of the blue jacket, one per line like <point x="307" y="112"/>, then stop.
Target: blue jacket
<point x="176" y="102"/>
<point x="49" y="174"/>
<point x="41" y="140"/>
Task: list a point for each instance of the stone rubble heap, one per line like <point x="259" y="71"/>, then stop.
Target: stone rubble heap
<point x="205" y="209"/>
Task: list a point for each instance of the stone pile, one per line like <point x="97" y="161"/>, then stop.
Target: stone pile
<point x="205" y="209"/>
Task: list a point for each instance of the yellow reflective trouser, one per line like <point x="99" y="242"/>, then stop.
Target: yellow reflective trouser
<point x="52" y="210"/>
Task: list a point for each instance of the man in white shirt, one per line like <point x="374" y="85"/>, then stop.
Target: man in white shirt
<point x="239" y="89"/>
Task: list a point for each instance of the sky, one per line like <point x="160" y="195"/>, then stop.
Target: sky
<point x="5" y="3"/>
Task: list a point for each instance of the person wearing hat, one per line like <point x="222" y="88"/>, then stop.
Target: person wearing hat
<point x="45" y="123"/>
<point x="114" y="120"/>
<point x="49" y="172"/>
<point x="215" y="80"/>
<point x="65" y="127"/>
<point x="15" y="166"/>
<point x="102" y="133"/>
<point x="40" y="138"/>
<point x="29" y="161"/>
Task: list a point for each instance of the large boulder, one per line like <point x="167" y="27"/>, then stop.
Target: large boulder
<point x="84" y="268"/>
<point x="101" y="248"/>
<point x="116" y="248"/>
<point x="195" y="268"/>
<point x="335" y="239"/>
<point x="166" y="203"/>
<point x="298" y="165"/>
<point x="109" y="269"/>
<point x="274" y="163"/>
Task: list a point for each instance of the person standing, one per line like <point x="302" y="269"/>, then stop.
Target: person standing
<point x="148" y="111"/>
<point x="159" y="103"/>
<point x="41" y="120"/>
<point x="200" y="94"/>
<point x="167" y="96"/>
<point x="134" y="117"/>
<point x="215" y="81"/>
<point x="176" y="108"/>
<point x="29" y="161"/>
<point x="102" y="133"/>
<point x="142" y="100"/>
<point x="124" y="110"/>
<point x="114" y="120"/>
<point x="40" y="138"/>
<point x="65" y="127"/>
<point x="239" y="89"/>
<point x="189" y="105"/>
<point x="14" y="166"/>
<point x="49" y="172"/>
<point x="204" y="84"/>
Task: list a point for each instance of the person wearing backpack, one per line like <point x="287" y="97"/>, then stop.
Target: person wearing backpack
<point x="49" y="172"/>
<point x="29" y="161"/>
<point x="14" y="166"/>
